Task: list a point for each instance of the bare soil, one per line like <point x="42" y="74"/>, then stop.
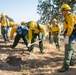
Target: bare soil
<point x="15" y="62"/>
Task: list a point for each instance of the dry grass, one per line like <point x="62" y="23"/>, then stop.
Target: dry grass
<point x="35" y="63"/>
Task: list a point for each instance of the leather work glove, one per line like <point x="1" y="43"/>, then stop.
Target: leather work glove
<point x="40" y="36"/>
<point x="62" y="33"/>
<point x="43" y="38"/>
<point x="58" y="35"/>
<point x="66" y="39"/>
<point x="29" y="44"/>
<point x="51" y="36"/>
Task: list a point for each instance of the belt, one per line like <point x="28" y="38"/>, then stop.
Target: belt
<point x="55" y="32"/>
<point x="3" y="26"/>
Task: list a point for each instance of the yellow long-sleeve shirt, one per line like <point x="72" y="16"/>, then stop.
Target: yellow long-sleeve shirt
<point x="4" y="22"/>
<point x="13" y="30"/>
<point x="35" y="31"/>
<point x="55" y="29"/>
<point x="69" y="23"/>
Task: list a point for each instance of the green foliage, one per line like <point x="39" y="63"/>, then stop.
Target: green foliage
<point x="49" y="9"/>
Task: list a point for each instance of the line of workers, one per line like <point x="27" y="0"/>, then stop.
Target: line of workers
<point x="29" y="31"/>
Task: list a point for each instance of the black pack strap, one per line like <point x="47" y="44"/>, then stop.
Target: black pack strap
<point x="38" y="26"/>
<point x="55" y="32"/>
<point x="65" y="19"/>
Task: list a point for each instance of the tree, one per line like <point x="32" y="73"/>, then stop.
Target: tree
<point x="44" y="9"/>
<point x="49" y="9"/>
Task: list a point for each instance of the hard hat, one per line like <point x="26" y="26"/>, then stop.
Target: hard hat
<point x="33" y="24"/>
<point x="23" y="23"/>
<point x="11" y="24"/>
<point x="26" y="23"/>
<point x="48" y="24"/>
<point x="2" y="15"/>
<point x="54" y="20"/>
<point x="65" y="7"/>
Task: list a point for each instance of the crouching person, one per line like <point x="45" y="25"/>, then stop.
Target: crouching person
<point x="21" y="32"/>
<point x="35" y="30"/>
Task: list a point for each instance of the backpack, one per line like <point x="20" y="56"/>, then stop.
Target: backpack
<point x="22" y="30"/>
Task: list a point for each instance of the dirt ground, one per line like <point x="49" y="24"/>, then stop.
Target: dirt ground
<point x="15" y="62"/>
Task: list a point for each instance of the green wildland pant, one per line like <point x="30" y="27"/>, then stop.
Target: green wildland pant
<point x="50" y="39"/>
<point x="18" y="37"/>
<point x="56" y="40"/>
<point x="4" y="33"/>
<point x="69" y="53"/>
<point x="34" y="36"/>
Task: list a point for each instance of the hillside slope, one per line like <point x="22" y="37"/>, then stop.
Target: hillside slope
<point x="32" y="64"/>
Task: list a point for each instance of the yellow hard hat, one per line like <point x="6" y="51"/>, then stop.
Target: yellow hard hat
<point x="65" y="7"/>
<point x="23" y="23"/>
<point x="26" y="24"/>
<point x="48" y="24"/>
<point x="33" y="24"/>
<point x="11" y="24"/>
<point x="3" y="15"/>
<point x="54" y="20"/>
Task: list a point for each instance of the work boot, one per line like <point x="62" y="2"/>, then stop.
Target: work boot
<point x="31" y="52"/>
<point x="11" y="46"/>
<point x="5" y="42"/>
<point x="63" y="69"/>
<point x="71" y="64"/>
<point x="41" y="52"/>
<point x="59" y="49"/>
<point x="28" y="49"/>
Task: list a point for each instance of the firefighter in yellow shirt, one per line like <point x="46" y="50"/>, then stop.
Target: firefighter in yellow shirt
<point x="35" y="30"/>
<point x="69" y="37"/>
<point x="55" y="32"/>
<point x="4" y="27"/>
<point x="21" y="32"/>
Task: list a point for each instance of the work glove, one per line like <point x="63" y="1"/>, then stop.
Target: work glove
<point x="51" y="36"/>
<point x="58" y="35"/>
<point x="43" y="38"/>
<point x="29" y="44"/>
<point x="40" y="35"/>
<point x="62" y="33"/>
<point x="66" y="39"/>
